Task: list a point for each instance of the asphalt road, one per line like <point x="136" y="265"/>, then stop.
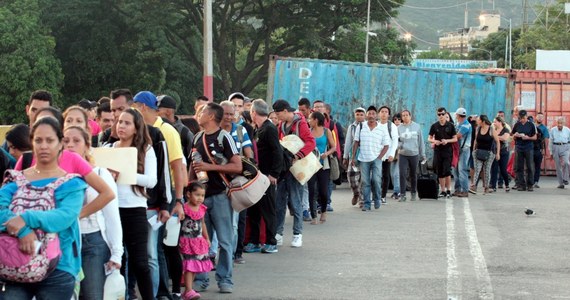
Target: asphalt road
<point x="483" y="247"/>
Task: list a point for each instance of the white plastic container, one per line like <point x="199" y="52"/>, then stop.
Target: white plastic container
<point x="114" y="288"/>
<point x="172" y="232"/>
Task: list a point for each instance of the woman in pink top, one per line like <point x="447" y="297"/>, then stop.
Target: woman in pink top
<point x="74" y="163"/>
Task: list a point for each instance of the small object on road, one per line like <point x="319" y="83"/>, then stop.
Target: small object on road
<point x="529" y="212"/>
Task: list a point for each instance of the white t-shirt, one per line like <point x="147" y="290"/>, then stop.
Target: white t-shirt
<point x="371" y="142"/>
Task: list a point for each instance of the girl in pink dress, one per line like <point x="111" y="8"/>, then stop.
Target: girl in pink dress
<point x="194" y="242"/>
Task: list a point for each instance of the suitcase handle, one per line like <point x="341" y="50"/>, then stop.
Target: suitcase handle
<point x="423" y="168"/>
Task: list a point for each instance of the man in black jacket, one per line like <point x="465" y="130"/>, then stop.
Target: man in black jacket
<point x="270" y="163"/>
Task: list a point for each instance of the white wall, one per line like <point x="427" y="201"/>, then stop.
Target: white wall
<point x="553" y="60"/>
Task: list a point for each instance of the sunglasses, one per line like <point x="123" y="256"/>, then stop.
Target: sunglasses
<point x="441" y="114"/>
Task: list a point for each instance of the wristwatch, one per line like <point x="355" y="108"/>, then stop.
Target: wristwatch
<point x="179" y="200"/>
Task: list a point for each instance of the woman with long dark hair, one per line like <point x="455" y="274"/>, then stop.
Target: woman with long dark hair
<point x="499" y="167"/>
<point x="132" y="132"/>
<point x="31" y="218"/>
<point x="483" y="155"/>
<point x="320" y="181"/>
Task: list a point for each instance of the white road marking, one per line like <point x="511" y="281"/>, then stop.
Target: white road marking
<point x="483" y="279"/>
<point x="453" y="277"/>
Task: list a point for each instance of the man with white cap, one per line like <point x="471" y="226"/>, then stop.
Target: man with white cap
<point x="461" y="172"/>
<point x="559" y="146"/>
<point x="353" y="171"/>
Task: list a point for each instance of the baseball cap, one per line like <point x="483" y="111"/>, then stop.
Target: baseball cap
<point x="461" y="112"/>
<point x="371" y="107"/>
<point x="87" y="104"/>
<point x="237" y="95"/>
<point x="360" y="109"/>
<point x="281" y="105"/>
<point x="147" y="98"/>
<point x="522" y="113"/>
<point x="165" y="101"/>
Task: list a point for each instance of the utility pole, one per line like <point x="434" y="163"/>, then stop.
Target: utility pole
<point x="208" y="76"/>
<point x="524" y="16"/>
<point x="367" y="33"/>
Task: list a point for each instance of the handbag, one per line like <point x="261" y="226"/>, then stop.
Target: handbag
<point x="482" y="155"/>
<point x="334" y="167"/>
<point x="243" y="192"/>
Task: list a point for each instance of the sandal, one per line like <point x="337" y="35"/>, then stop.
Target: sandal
<point x="507" y="189"/>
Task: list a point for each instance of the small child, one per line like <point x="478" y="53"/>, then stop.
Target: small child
<point x="194" y="241"/>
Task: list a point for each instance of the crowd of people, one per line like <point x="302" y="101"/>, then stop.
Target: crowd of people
<point x="182" y="167"/>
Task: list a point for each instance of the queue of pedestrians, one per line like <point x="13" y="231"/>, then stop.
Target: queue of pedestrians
<point x="70" y="222"/>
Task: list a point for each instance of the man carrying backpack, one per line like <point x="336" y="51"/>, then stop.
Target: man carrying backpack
<point x="353" y="172"/>
<point x="288" y="188"/>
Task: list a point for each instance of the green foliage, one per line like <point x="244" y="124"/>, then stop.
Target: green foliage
<point x="386" y="47"/>
<point x="552" y="33"/>
<point x="439" y="54"/>
<point x="246" y="33"/>
<point x="100" y="50"/>
<point x="27" y="59"/>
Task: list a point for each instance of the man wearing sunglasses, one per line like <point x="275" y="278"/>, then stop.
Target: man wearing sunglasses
<point x="441" y="135"/>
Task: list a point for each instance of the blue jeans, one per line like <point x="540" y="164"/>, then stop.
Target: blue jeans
<point x="306" y="196"/>
<point x="58" y="285"/>
<point x="461" y="173"/>
<point x="289" y="189"/>
<point x="94" y="254"/>
<point x="218" y="219"/>
<point x="499" y="170"/>
<point x="395" y="173"/>
<point x="371" y="175"/>
<point x="152" y="249"/>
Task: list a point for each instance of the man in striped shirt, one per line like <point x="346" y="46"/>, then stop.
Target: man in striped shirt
<point x="372" y="143"/>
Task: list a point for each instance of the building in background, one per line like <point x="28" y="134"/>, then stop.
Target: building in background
<point x="460" y="41"/>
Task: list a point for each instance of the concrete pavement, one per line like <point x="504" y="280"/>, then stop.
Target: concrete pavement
<point x="483" y="247"/>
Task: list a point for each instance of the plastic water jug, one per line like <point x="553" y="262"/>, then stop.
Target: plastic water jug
<point x="114" y="288"/>
<point x="172" y="231"/>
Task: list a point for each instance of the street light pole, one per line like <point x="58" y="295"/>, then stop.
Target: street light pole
<point x="367" y="33"/>
<point x="208" y="79"/>
<point x="510" y="44"/>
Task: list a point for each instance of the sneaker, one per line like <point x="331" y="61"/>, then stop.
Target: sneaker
<point x="226" y="289"/>
<point x="297" y="241"/>
<point x="132" y="293"/>
<point x="530" y="189"/>
<point x="176" y="296"/>
<point x="306" y="216"/>
<point x="397" y="196"/>
<point x="463" y="194"/>
<point x="383" y="200"/>
<point x="329" y="208"/>
<point x="448" y="194"/>
<point x="191" y="295"/>
<point x="269" y="249"/>
<point x="521" y="189"/>
<point x="442" y="195"/>
<point x="565" y="182"/>
<point x="279" y="239"/>
<point x="560" y="186"/>
<point x="536" y="186"/>
<point x="413" y="197"/>
<point x="239" y="260"/>
<point x="365" y="208"/>
<point x="473" y="191"/>
<point x="376" y="204"/>
<point x="402" y="198"/>
<point x="252" y="248"/>
<point x="500" y="186"/>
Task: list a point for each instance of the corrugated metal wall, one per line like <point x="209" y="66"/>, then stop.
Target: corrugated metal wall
<point x="347" y="85"/>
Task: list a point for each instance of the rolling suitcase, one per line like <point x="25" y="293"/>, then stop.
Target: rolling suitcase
<point x="428" y="186"/>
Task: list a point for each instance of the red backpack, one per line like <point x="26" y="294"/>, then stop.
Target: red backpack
<point x="15" y="265"/>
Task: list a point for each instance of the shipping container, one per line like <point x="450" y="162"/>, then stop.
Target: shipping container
<point x="348" y="85"/>
<point x="540" y="91"/>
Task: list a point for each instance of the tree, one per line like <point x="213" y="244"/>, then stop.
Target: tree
<point x="101" y="50"/>
<point x="550" y="31"/>
<point x="496" y="44"/>
<point x="386" y="47"/>
<point x="27" y="59"/>
<point x="246" y="33"/>
<point x="439" y="54"/>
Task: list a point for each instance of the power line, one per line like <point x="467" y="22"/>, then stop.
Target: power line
<point x="431" y="8"/>
<point x="401" y="27"/>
